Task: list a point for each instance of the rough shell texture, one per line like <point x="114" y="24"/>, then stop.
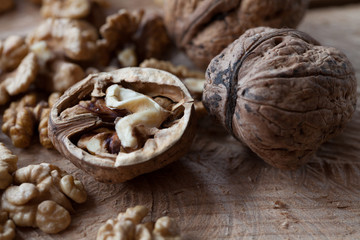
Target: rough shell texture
<point x="205" y="27"/>
<point x="167" y="145"/>
<point x="281" y="93"/>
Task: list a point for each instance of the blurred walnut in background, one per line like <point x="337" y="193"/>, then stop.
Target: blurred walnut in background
<point x="204" y="28"/>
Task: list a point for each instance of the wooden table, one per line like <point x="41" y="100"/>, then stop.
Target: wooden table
<point x="220" y="190"/>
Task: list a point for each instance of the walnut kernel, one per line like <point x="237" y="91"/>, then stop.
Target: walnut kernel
<point x="8" y="163"/>
<point x="128" y="225"/>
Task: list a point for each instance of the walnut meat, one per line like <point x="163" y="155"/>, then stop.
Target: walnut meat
<point x="128" y="226"/>
<point x="7" y="227"/>
<point x="75" y="39"/>
<point x="65" y="9"/>
<point x="8" y="163"/>
<point x="281" y="93"/>
<point x="19" y="121"/>
<point x="39" y="197"/>
<point x="12" y="50"/>
<point x="134" y="36"/>
<point x="204" y="28"/>
<point x="19" y="80"/>
<point x="113" y="126"/>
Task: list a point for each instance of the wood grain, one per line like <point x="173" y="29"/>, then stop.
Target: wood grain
<point x="221" y="190"/>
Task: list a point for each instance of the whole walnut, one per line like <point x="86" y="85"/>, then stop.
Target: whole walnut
<point x="281" y="93"/>
<point x="205" y="27"/>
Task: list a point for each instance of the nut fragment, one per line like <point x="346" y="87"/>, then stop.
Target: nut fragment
<point x="51" y="217"/>
<point x="59" y="76"/>
<point x="42" y="112"/>
<point x="149" y="137"/>
<point x="8" y="163"/>
<point x="133" y="32"/>
<point x="20" y="79"/>
<point x="73" y="188"/>
<point x="18" y="121"/>
<point x="39" y="199"/>
<point x="128" y="226"/>
<point x="74" y="39"/>
<point x="281" y="93"/>
<point x="12" y="51"/>
<point x="7" y="227"/>
<point x="144" y="112"/>
<point x="204" y="28"/>
<point x="65" y="8"/>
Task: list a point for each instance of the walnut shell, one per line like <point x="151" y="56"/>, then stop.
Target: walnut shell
<point x="281" y="93"/>
<point x="204" y="28"/>
<point x="166" y="145"/>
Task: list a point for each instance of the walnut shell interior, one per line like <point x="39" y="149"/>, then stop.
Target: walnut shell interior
<point x="167" y="143"/>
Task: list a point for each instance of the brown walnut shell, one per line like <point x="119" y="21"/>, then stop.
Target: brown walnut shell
<point x="281" y="93"/>
<point x="167" y="145"/>
<point x="203" y="28"/>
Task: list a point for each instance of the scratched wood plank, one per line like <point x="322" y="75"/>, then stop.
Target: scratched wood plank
<point x="220" y="189"/>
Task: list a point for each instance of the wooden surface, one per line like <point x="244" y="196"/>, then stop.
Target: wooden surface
<point x="220" y="190"/>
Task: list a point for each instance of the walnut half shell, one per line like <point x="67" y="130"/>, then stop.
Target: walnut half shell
<point x="124" y="123"/>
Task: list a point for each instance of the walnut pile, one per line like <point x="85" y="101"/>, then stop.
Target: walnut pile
<point x="133" y="37"/>
<point x="8" y="165"/>
<point x="128" y="225"/>
<point x="204" y="28"/>
<point x="126" y="123"/>
<point x="40" y="197"/>
<point x="7" y="227"/>
<point x="281" y="93"/>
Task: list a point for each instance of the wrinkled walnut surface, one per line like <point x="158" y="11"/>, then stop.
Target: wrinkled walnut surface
<point x="281" y="93"/>
<point x="71" y="119"/>
<point x="204" y="28"/>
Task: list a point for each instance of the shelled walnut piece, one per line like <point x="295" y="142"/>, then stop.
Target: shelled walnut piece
<point x="55" y="73"/>
<point x="75" y="39"/>
<point x="42" y="112"/>
<point x="8" y="165"/>
<point x="12" y="50"/>
<point x="7" y="227"/>
<point x="19" y="121"/>
<point x="73" y="9"/>
<point x="128" y="226"/>
<point x="133" y="37"/>
<point x="281" y="93"/>
<point x="204" y="28"/>
<point x="19" y="80"/>
<point x="127" y="122"/>
<point x="39" y="198"/>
